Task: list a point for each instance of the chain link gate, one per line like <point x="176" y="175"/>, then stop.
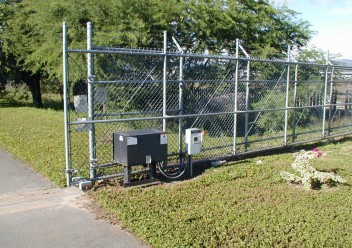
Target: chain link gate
<point x="243" y="104"/>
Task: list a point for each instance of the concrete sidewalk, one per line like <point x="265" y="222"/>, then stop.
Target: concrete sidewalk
<point x="35" y="213"/>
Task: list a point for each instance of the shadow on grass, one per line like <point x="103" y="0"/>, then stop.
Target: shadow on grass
<point x="199" y="169"/>
<point x="48" y="103"/>
<point x="4" y="103"/>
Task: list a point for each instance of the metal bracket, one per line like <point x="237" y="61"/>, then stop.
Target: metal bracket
<point x="71" y="171"/>
<point x="91" y="78"/>
<point x="94" y="163"/>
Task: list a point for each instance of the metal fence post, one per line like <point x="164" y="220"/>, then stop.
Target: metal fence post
<point x="325" y="95"/>
<point x="331" y="100"/>
<point x="66" y="102"/>
<point x="91" y="79"/>
<point x="287" y="94"/>
<point x="295" y="105"/>
<point x="180" y="101"/>
<point x="235" y="100"/>
<point x="164" y="81"/>
<point x="246" y="125"/>
<point x="180" y="105"/>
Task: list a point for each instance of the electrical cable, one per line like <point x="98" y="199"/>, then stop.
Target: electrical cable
<point x="175" y="175"/>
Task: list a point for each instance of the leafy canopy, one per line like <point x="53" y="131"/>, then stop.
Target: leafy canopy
<point x="33" y="30"/>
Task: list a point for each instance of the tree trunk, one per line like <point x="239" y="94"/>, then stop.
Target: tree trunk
<point x="33" y="82"/>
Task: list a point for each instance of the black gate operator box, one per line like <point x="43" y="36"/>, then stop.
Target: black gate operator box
<point x="139" y="147"/>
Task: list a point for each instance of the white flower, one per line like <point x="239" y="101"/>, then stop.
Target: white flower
<point x="309" y="177"/>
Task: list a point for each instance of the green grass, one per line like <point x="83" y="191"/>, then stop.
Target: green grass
<point x="241" y="205"/>
<point x="35" y="136"/>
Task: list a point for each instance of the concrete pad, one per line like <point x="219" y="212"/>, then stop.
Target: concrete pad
<point x="34" y="213"/>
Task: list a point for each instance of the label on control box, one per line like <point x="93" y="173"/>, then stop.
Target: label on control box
<point x="163" y="139"/>
<point x="148" y="159"/>
<point x="131" y="141"/>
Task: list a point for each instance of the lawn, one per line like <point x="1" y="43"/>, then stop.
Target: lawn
<point x="240" y="204"/>
<point x="36" y="137"/>
<point x="243" y="204"/>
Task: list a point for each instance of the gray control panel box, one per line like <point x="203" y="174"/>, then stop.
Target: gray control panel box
<point x="140" y="147"/>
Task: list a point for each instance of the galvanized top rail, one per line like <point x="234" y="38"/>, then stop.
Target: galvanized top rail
<point x="151" y="52"/>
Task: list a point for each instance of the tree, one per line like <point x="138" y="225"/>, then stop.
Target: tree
<point x="13" y="56"/>
<point x="33" y="33"/>
<point x="6" y="60"/>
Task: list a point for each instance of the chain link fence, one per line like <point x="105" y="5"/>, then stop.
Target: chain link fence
<point x="244" y="105"/>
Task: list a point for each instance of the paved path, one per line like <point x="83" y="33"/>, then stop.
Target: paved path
<point x="35" y="213"/>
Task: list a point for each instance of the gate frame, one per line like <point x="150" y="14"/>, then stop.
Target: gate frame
<point x="91" y="79"/>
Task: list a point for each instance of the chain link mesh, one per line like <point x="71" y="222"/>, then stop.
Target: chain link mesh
<point x="341" y="112"/>
<point x="243" y="105"/>
<point x="308" y="118"/>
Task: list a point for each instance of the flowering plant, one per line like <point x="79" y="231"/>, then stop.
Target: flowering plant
<point x="308" y="176"/>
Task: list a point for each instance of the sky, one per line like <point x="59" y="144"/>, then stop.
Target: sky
<point x="331" y="19"/>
